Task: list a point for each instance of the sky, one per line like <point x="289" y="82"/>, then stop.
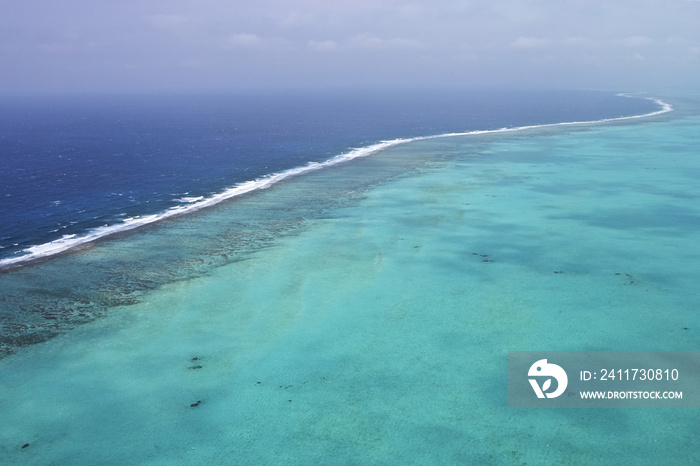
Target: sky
<point x="97" y="46"/>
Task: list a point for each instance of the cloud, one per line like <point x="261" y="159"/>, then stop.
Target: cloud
<point x="244" y="40"/>
<point x="370" y="41"/>
<point x="633" y="41"/>
<point x="578" y="41"/>
<point x="675" y="40"/>
<point x="116" y="44"/>
<point x="530" y="43"/>
<point x="250" y="41"/>
<point x="323" y="45"/>
<point x="367" y="41"/>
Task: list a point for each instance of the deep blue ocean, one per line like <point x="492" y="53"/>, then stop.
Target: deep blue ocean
<point x="69" y="166"/>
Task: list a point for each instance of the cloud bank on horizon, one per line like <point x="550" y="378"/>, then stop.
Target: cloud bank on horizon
<point x="219" y="45"/>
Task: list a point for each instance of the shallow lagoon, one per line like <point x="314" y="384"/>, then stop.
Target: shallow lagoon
<point x="363" y="314"/>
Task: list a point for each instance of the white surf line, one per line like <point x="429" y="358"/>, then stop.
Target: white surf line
<point x="68" y="242"/>
<point x="665" y="108"/>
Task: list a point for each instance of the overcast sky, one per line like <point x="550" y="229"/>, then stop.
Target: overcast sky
<point x="215" y="45"/>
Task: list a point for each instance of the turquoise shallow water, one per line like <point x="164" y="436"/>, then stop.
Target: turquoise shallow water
<point x="363" y="314"/>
